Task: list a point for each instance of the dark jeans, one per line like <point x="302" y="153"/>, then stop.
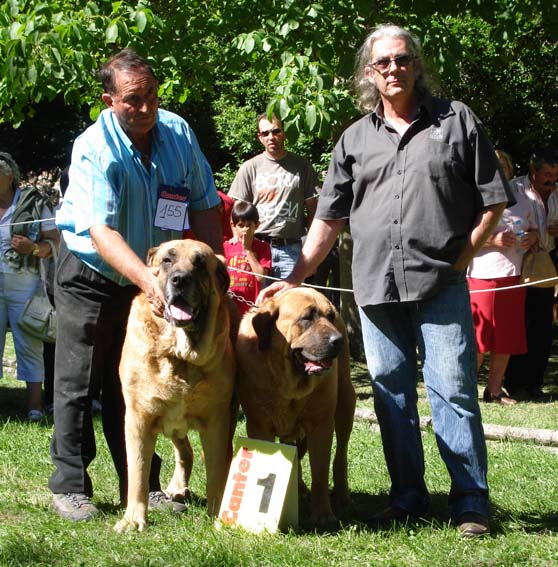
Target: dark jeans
<point x="526" y="371"/>
<point x="92" y="312"/>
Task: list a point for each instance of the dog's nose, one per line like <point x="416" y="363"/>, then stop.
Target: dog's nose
<point x="336" y="340"/>
<point x="179" y="279"/>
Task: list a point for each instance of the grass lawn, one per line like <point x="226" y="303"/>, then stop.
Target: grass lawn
<point x="523" y="480"/>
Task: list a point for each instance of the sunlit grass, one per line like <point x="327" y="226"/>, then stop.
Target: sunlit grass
<point x="524" y="493"/>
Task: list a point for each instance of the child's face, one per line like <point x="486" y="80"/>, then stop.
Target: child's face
<point x="243" y="228"/>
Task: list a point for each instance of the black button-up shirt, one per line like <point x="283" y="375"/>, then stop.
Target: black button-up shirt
<point x="411" y="200"/>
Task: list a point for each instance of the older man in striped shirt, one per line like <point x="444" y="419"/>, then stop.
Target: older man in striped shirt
<point x="137" y="178"/>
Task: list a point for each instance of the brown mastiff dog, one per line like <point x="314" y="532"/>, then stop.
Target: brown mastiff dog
<point x="177" y="374"/>
<point x="294" y="383"/>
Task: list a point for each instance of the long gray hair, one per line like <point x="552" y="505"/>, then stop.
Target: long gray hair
<point x="367" y="92"/>
<point x="7" y="166"/>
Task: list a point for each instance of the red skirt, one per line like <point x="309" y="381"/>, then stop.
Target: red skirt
<point x="499" y="316"/>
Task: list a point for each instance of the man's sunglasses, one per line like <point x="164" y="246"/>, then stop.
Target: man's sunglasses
<point x="266" y="133"/>
<point x="382" y="65"/>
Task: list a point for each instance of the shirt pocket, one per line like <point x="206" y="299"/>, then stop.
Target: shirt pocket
<point x="434" y="160"/>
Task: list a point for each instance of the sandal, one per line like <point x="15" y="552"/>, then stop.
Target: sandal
<point x="501" y="398"/>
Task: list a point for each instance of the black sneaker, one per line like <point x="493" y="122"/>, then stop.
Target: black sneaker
<point x="74" y="506"/>
<point x="159" y="501"/>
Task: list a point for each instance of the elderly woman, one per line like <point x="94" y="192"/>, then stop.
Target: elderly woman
<point x="499" y="316"/>
<point x="21" y="247"/>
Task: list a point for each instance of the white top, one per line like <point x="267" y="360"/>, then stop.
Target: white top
<point x="492" y="262"/>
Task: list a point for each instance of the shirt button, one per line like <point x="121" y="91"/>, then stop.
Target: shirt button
<point x="397" y="246"/>
<point x="399" y="172"/>
<point x="395" y="222"/>
<point x="396" y="196"/>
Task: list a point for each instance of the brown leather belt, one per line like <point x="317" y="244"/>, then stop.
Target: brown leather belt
<point x="276" y="241"/>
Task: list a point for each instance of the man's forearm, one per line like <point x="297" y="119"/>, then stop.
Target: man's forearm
<point x="485" y="223"/>
<point x="318" y="243"/>
<point x="116" y="252"/>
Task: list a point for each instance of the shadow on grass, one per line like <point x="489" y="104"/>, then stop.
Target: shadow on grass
<point x="12" y="402"/>
<point x="361" y="381"/>
<point x="26" y="551"/>
<point x="365" y="506"/>
<point x="13" y="407"/>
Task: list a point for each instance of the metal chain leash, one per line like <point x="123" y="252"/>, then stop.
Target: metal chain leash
<point x="241" y="299"/>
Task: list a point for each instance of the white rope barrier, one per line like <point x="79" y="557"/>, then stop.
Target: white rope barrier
<point x="516" y="286"/>
<point x="351" y="291"/>
<point x="26" y="222"/>
<point x="339" y="289"/>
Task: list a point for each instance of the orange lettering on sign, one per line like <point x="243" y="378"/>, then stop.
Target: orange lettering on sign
<point x="230" y="516"/>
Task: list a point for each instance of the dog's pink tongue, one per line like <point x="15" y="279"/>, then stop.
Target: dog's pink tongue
<point x="311" y="366"/>
<point x="181" y="313"/>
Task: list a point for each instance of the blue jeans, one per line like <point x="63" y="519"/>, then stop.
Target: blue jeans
<point x="15" y="290"/>
<point x="283" y="259"/>
<point x="442" y="330"/>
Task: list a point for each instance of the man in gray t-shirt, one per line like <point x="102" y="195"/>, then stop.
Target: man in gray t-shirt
<point x="283" y="186"/>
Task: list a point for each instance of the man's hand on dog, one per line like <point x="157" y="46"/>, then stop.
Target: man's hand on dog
<point x="154" y="293"/>
<point x="276" y="288"/>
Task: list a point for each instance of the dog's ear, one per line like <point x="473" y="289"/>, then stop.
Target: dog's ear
<point x="263" y="323"/>
<point x="222" y="277"/>
<point x="151" y="254"/>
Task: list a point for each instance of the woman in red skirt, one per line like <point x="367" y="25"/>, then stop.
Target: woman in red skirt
<point x="499" y="314"/>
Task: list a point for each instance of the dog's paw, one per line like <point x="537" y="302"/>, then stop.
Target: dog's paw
<point x="341" y="499"/>
<point x="325" y="523"/>
<point x="177" y="493"/>
<point x="128" y="525"/>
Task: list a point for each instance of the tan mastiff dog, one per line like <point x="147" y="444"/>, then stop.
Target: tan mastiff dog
<point x="177" y="374"/>
<point x="294" y="383"/>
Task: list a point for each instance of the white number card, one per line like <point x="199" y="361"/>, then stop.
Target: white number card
<point x="262" y="487"/>
<point x="172" y="208"/>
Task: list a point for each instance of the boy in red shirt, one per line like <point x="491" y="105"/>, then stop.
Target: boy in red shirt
<point x="247" y="253"/>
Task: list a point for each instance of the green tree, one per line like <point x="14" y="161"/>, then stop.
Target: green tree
<point x="51" y="48"/>
<point x="300" y="54"/>
<point x="308" y="50"/>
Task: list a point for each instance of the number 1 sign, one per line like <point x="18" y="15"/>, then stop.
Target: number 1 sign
<point x="262" y="488"/>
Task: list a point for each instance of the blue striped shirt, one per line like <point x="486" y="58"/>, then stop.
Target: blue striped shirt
<point x="110" y="186"/>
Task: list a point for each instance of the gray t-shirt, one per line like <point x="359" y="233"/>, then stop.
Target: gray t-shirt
<point x="411" y="200"/>
<point x="278" y="189"/>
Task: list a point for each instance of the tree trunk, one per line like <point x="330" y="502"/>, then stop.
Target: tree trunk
<point x="546" y="437"/>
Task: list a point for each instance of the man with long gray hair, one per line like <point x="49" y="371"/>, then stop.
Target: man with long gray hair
<point x="420" y="185"/>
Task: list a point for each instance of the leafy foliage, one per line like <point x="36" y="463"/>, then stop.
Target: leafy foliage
<point x="51" y="48"/>
<point x="481" y="52"/>
<point x="288" y="56"/>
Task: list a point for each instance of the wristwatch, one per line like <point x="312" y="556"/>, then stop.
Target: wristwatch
<point x="36" y="249"/>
